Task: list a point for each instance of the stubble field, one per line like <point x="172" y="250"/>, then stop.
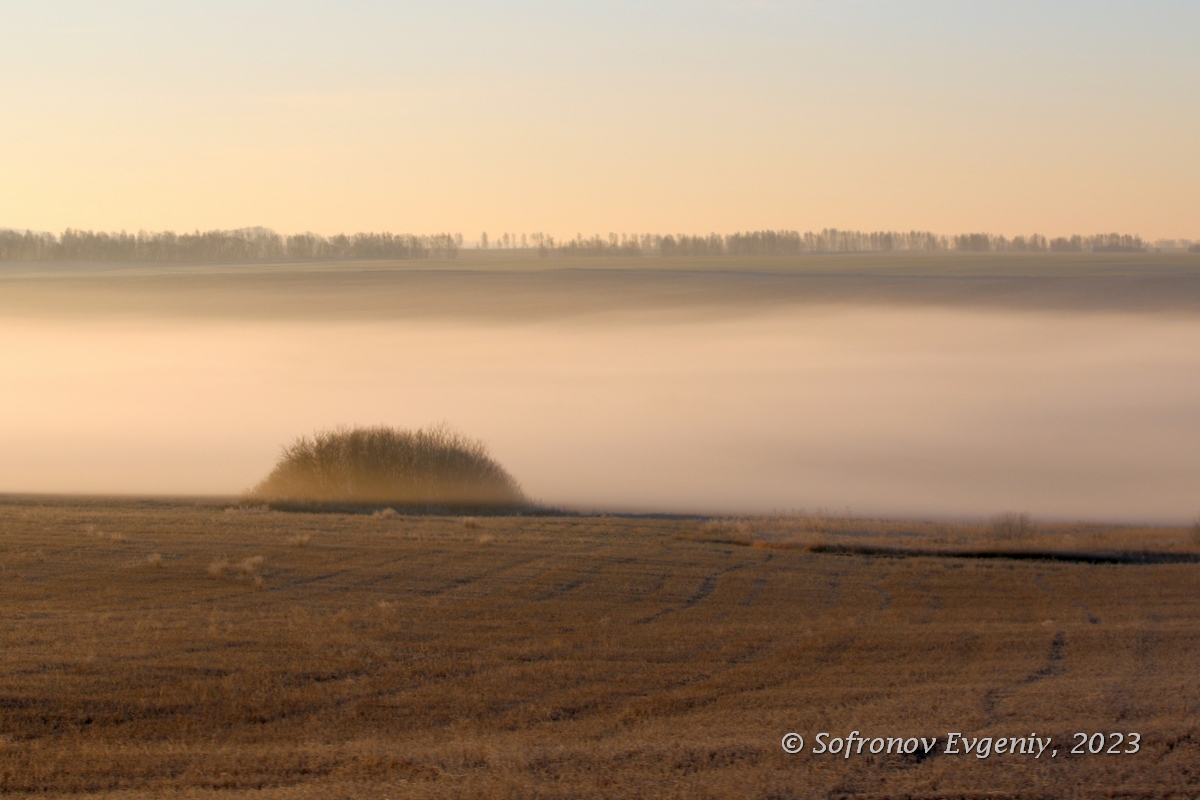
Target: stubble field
<point x="185" y="649"/>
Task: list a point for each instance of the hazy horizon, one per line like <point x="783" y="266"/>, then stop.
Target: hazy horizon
<point x="1061" y="386"/>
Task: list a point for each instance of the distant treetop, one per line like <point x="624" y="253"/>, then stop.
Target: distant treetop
<point x="262" y="244"/>
<point x="247" y="244"/>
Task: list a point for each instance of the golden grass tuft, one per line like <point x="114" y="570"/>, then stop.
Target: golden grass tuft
<point x="250" y="565"/>
<point x="247" y="568"/>
<point x="429" y="467"/>
<point x="92" y="530"/>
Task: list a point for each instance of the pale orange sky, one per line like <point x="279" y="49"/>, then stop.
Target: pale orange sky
<point x="1056" y="117"/>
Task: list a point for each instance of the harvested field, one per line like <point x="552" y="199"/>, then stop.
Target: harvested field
<point x="159" y="648"/>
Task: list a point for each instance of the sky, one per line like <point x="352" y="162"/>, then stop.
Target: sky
<point x="588" y="117"/>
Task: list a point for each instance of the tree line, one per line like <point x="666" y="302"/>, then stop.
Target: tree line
<point x="247" y="244"/>
<point x="262" y="244"/>
<point x="829" y="240"/>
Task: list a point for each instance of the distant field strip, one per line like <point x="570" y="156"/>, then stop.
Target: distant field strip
<point x="536" y="290"/>
<point x="1082" y="557"/>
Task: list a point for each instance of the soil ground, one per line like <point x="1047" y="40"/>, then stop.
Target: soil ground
<point x="156" y="648"/>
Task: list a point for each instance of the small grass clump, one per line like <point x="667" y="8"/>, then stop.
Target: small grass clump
<point x="426" y="468"/>
<point x="1012" y="526"/>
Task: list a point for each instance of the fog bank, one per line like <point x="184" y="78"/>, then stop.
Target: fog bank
<point x="882" y="409"/>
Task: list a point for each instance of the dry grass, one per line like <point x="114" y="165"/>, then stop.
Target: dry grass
<point x="573" y="657"/>
<point x="1012" y="526"/>
<point x="92" y="530"/>
<point x="385" y="466"/>
<point x="1008" y="535"/>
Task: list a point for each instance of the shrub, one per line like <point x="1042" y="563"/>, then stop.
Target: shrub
<point x="1010" y="526"/>
<point x="250" y="565"/>
<point x="385" y="466"/>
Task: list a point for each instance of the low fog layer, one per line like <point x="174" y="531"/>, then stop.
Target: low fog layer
<point x="884" y="407"/>
<point x="498" y="288"/>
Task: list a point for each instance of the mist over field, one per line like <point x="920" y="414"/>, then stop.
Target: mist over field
<point x="890" y="386"/>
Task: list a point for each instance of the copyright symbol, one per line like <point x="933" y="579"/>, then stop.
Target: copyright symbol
<point x="793" y="743"/>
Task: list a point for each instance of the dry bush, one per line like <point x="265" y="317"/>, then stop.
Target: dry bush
<point x="250" y="565"/>
<point x="245" y="508"/>
<point x="819" y="521"/>
<point x="377" y="465"/>
<point x="1011" y="526"/>
<point x="92" y="530"/>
